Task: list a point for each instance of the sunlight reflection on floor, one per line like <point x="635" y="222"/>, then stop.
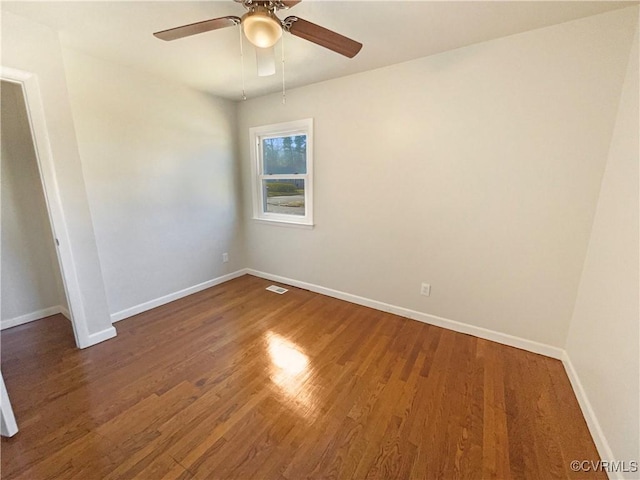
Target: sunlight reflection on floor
<point x="290" y="372"/>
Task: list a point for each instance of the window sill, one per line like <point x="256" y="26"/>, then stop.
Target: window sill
<point x="283" y="223"/>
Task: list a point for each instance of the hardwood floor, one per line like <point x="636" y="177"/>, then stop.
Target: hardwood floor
<point x="239" y="382"/>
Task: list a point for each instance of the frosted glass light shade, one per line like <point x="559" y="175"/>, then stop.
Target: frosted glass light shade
<point x="265" y="60"/>
<point x="261" y="29"/>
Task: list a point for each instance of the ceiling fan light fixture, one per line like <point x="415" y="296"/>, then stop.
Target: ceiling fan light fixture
<point x="261" y="28"/>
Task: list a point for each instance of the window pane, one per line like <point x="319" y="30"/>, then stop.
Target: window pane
<point x="285" y="155"/>
<point x="284" y="196"/>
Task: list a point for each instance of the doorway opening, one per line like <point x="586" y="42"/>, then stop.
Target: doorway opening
<point x="31" y="279"/>
<point x="28" y="94"/>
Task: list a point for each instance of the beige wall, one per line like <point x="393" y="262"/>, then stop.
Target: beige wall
<point x="605" y="329"/>
<point x="476" y="170"/>
<point x="160" y="167"/>
<point x="34" y="48"/>
<point x="30" y="273"/>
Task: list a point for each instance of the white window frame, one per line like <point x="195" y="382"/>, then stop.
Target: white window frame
<point x="257" y="134"/>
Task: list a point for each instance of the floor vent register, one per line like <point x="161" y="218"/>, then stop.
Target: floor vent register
<point x="276" y="289"/>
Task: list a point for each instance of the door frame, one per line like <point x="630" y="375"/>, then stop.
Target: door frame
<point x="8" y="425"/>
<point x="46" y="167"/>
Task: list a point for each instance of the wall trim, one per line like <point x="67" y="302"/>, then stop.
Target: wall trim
<point x="33" y="316"/>
<point x="101" y="336"/>
<point x="503" y="338"/>
<point x="597" y="434"/>
<point x="143" y="307"/>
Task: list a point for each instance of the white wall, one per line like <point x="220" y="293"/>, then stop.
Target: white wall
<point x="160" y="166"/>
<point x="34" y="48"/>
<point x="30" y="275"/>
<point x="604" y="333"/>
<point x="476" y="170"/>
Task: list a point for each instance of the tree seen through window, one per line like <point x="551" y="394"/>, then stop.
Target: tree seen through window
<point x="285" y="155"/>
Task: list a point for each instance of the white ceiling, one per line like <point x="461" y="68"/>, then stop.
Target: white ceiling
<point x="391" y="31"/>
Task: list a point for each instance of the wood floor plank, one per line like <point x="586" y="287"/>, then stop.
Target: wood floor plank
<point x="236" y="382"/>
<point x="164" y="468"/>
<point x="495" y="442"/>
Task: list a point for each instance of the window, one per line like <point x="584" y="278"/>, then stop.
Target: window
<point x="282" y="169"/>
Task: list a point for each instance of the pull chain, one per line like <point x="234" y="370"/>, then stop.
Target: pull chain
<point x="284" y="93"/>
<point x="244" y="96"/>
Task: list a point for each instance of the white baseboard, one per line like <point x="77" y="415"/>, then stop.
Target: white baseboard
<point x="480" y="332"/>
<point x="33" y="316"/>
<point x="98" y="337"/>
<point x="589" y="415"/>
<point x="143" y="307"/>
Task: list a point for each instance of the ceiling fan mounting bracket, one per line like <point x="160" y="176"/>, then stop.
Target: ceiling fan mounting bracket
<point x="270" y="5"/>
<point x="288" y="22"/>
<point x="281" y="5"/>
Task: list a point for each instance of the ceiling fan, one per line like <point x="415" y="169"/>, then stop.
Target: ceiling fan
<point x="263" y="28"/>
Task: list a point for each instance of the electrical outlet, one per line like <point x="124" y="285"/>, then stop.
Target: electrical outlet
<point x="425" y="289"/>
<point x="225" y="257"/>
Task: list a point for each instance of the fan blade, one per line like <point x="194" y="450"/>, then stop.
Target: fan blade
<point x="195" y="28"/>
<point x="322" y="36"/>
